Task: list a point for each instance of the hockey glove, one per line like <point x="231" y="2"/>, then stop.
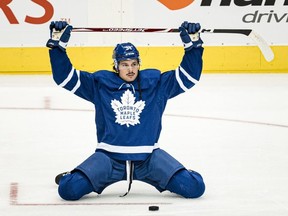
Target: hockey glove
<point x="59" y="35"/>
<point x="193" y="29"/>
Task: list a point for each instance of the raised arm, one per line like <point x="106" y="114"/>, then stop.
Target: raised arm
<point x="188" y="73"/>
<point x="64" y="74"/>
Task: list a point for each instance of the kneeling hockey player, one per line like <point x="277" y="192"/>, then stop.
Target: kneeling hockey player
<point x="129" y="105"/>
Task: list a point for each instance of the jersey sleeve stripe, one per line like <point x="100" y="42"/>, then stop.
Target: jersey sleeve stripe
<point x="188" y="76"/>
<point x="78" y="82"/>
<point x="69" y="77"/>
<point x="179" y="80"/>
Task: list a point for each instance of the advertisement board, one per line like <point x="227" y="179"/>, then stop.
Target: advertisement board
<point x="25" y="24"/>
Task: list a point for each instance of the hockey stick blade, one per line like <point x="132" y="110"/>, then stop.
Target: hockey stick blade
<point x="263" y="46"/>
<point x="260" y="42"/>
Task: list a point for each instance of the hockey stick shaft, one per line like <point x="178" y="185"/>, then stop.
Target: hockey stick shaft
<point x="160" y="30"/>
<point x="263" y="46"/>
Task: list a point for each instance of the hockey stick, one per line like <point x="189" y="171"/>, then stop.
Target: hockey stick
<point x="261" y="43"/>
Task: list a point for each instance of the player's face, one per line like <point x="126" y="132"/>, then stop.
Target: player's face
<point x="128" y="70"/>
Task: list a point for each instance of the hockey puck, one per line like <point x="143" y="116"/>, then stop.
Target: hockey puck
<point x="153" y="208"/>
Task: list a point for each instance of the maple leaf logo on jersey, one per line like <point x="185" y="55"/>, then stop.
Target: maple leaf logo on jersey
<point x="127" y="111"/>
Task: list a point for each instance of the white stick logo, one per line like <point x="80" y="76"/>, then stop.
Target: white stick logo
<point x="127" y="111"/>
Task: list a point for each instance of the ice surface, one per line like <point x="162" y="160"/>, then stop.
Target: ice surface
<point x="233" y="129"/>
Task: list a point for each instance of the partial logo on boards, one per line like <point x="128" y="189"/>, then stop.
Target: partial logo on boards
<point x="13" y="18"/>
<point x="265" y="13"/>
<point x="176" y="4"/>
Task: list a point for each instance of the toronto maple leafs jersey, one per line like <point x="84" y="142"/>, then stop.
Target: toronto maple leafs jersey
<point x="128" y="115"/>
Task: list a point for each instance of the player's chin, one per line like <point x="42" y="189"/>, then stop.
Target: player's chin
<point x="131" y="78"/>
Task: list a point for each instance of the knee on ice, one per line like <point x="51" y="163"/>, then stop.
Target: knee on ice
<point x="197" y="187"/>
<point x="197" y="191"/>
<point x="67" y="192"/>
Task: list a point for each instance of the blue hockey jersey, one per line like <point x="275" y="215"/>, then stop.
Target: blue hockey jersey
<point x="128" y="125"/>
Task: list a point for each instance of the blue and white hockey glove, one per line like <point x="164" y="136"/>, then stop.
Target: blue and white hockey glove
<point x="60" y="33"/>
<point x="192" y="40"/>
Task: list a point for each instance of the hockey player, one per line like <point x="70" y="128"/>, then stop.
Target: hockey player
<point x="129" y="105"/>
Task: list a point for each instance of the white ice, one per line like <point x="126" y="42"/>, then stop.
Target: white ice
<point x="232" y="128"/>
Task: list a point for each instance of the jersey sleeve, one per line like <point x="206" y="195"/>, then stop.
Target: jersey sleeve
<point x="185" y="76"/>
<point x="66" y="76"/>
